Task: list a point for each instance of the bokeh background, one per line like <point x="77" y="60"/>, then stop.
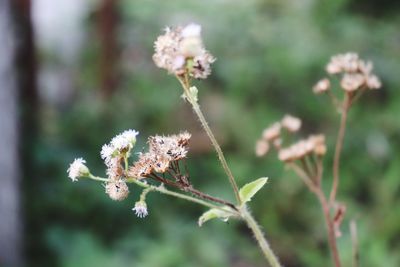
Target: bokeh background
<point x="75" y="73"/>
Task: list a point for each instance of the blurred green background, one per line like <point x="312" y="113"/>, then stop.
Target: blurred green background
<point x="96" y="78"/>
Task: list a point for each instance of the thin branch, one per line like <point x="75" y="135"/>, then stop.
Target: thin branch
<point x="338" y="148"/>
<point x="165" y="191"/>
<point x="304" y="177"/>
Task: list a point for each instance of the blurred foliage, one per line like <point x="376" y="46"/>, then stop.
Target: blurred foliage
<point x="269" y="55"/>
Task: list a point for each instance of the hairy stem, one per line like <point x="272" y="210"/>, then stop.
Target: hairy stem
<point x="259" y="236"/>
<point x="203" y="121"/>
<point x="338" y="148"/>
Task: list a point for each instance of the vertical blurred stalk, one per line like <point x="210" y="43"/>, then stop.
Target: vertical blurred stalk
<point x="107" y="21"/>
<point x="13" y="18"/>
<point x="17" y="89"/>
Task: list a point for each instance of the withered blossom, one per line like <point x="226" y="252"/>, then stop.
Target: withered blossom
<point x="181" y="50"/>
<point x="162" y="151"/>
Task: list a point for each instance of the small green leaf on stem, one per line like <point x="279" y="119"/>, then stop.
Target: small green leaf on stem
<point x="250" y="189"/>
<point x="212" y="214"/>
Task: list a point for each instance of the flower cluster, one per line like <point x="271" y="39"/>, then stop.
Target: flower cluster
<point x="113" y="155"/>
<point x="356" y="74"/>
<point x="314" y="144"/>
<point x="114" y="152"/>
<point x="181" y="50"/>
<point x="272" y="134"/>
<point x="163" y="151"/>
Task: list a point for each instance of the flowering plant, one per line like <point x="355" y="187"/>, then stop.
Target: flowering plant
<point x="162" y="168"/>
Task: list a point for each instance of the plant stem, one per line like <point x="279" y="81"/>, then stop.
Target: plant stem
<point x="168" y="192"/>
<point x="193" y="191"/>
<point x="317" y="190"/>
<point x="258" y="234"/>
<point x="338" y="148"/>
<point x="330" y="227"/>
<point x="203" y="121"/>
<point x="163" y="190"/>
<point x="96" y="178"/>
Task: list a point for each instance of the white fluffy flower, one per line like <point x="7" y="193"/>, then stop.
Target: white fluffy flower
<point x="77" y="169"/>
<point x="140" y="209"/>
<point x="106" y="153"/>
<point x="125" y="140"/>
<point x="191" y="30"/>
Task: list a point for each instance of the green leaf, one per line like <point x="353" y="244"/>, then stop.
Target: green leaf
<point x="212" y="214"/>
<point x="250" y="189"/>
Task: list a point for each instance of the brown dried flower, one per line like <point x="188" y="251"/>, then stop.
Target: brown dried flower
<point x="162" y="151"/>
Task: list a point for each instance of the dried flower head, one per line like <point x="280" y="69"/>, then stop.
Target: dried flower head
<point x="352" y="81"/>
<point x="77" y="169"/>
<point x="262" y="148"/>
<point x="117" y="190"/>
<point x="292" y="124"/>
<point x="322" y="86"/>
<point x="357" y="73"/>
<point x="313" y="144"/>
<point x="140" y="209"/>
<point x="348" y="62"/>
<point x="143" y="166"/>
<point x="181" y="49"/>
<point x="162" y="151"/>
<point x="172" y="147"/>
<point x="272" y="132"/>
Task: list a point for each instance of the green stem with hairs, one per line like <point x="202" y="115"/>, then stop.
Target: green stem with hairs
<point x="259" y="236"/>
<point x="196" y="108"/>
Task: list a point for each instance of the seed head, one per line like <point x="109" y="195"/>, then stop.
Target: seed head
<point x="117" y="190"/>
